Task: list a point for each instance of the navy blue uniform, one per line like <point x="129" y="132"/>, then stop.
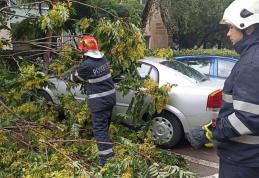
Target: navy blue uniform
<point x="99" y="86"/>
<point x="237" y="126"/>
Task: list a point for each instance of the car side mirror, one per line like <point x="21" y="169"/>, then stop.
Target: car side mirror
<point x="118" y="78"/>
<point x="39" y="73"/>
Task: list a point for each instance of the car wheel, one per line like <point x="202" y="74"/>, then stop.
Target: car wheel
<point x="40" y="95"/>
<point x="167" y="129"/>
<point x="46" y="98"/>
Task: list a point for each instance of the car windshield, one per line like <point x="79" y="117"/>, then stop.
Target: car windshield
<point x="186" y="70"/>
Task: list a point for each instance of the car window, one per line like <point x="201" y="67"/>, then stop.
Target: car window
<point x="202" y="65"/>
<point x="147" y="70"/>
<point x="154" y="74"/>
<point x="186" y="70"/>
<point x="224" y="68"/>
<point x="143" y="70"/>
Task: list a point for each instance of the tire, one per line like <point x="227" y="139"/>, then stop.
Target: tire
<point x="45" y="96"/>
<point x="41" y="94"/>
<point x="167" y="129"/>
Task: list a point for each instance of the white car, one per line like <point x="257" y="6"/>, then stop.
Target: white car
<point x="194" y="100"/>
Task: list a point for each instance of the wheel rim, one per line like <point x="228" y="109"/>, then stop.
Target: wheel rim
<point x="162" y="129"/>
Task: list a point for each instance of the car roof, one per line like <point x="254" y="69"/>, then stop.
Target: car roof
<point x="206" y="56"/>
<point x="154" y="59"/>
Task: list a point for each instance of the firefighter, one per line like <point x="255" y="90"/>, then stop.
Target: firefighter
<point x="236" y="129"/>
<point x="94" y="73"/>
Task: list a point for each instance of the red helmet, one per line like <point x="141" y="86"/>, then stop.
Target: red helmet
<point x="90" y="46"/>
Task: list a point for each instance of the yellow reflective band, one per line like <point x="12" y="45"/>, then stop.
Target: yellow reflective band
<point x="209" y="145"/>
<point x="71" y="77"/>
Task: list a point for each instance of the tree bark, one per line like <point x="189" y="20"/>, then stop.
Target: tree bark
<point x="47" y="55"/>
<point x="147" y="12"/>
<point x="167" y="20"/>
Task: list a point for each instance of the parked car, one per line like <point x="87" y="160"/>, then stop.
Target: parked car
<point x="212" y="66"/>
<point x="193" y="101"/>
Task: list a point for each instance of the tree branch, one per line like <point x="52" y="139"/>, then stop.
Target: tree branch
<point x="66" y="156"/>
<point x="25" y="4"/>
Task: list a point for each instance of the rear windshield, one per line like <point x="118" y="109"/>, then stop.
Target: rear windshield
<point x="185" y="70"/>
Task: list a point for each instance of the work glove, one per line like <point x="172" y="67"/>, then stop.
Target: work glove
<point x="208" y="133"/>
<point x="201" y="136"/>
<point x="64" y="76"/>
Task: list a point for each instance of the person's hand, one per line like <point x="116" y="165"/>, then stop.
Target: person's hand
<point x="201" y="136"/>
<point x="64" y="76"/>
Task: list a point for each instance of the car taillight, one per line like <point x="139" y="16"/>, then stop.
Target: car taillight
<point x="214" y="100"/>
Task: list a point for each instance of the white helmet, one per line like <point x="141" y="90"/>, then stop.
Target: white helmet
<point x="94" y="54"/>
<point x="241" y="13"/>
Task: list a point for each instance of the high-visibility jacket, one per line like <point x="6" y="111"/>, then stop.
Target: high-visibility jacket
<point x="237" y="126"/>
<point x="98" y="84"/>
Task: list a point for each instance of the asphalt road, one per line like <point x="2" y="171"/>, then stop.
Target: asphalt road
<point x="203" y="161"/>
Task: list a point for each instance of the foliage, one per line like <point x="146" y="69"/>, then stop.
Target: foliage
<point x="160" y="52"/>
<point x="160" y="95"/>
<point x="56" y="17"/>
<point x="35" y="142"/>
<point x="123" y="44"/>
<point x="1" y="44"/>
<point x="196" y="23"/>
<point x="169" y="53"/>
<point x="46" y="149"/>
<point x="130" y="11"/>
<point x="149" y="98"/>
<point x="215" y="52"/>
<point x="27" y="29"/>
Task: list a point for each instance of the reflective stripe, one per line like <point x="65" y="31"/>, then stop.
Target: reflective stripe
<point x="100" y="79"/>
<point x="77" y="75"/>
<point x="248" y="139"/>
<point x="227" y="98"/>
<point x="247" y="107"/>
<point x="97" y="95"/>
<point x="71" y="77"/>
<point x="238" y="125"/>
<point x="105" y="152"/>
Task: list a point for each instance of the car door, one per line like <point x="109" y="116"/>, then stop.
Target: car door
<point x="61" y="88"/>
<point x="123" y="101"/>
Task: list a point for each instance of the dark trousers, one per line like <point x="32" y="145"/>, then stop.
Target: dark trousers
<point x="101" y="121"/>
<point x="227" y="170"/>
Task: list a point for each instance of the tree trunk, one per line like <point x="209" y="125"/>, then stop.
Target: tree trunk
<point x="47" y="55"/>
<point x="147" y="12"/>
<point x="167" y="20"/>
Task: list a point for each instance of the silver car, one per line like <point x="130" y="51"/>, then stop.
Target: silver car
<point x="194" y="100"/>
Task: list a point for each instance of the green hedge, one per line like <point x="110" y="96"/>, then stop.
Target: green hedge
<point x="169" y="53"/>
<point x="215" y="52"/>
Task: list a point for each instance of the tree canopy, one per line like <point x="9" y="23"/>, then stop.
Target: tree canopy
<point x="195" y="23"/>
<point x="34" y="141"/>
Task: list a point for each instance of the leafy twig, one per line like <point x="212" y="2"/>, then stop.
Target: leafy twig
<point x="66" y="156"/>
